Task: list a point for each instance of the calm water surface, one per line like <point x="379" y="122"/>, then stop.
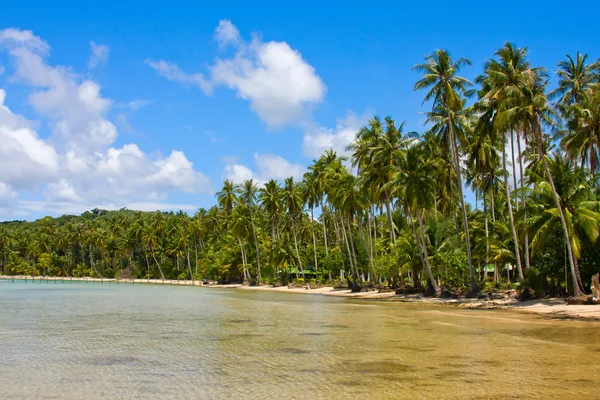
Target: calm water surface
<point x="78" y="340"/>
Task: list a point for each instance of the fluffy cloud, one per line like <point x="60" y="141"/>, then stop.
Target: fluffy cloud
<point x="319" y="139"/>
<point x="269" y="166"/>
<point x="279" y="84"/>
<point x="77" y="167"/>
<point x="99" y="55"/>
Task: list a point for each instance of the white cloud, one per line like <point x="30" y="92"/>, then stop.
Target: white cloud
<point x="227" y="33"/>
<point x="319" y="139"/>
<point x="25" y="160"/>
<point x="13" y="37"/>
<point x="268" y="166"/>
<point x="99" y="55"/>
<point x="78" y="166"/>
<point x="173" y="73"/>
<point x="279" y="84"/>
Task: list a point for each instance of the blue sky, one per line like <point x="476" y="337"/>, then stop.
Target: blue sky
<point x="117" y="105"/>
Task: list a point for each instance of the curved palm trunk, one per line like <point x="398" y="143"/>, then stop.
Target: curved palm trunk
<point x="513" y="231"/>
<point x="352" y="266"/>
<point x="474" y="288"/>
<point x="574" y="270"/>
<point x="246" y="272"/>
<point x="436" y="288"/>
<point x="157" y="263"/>
<point x="523" y="204"/>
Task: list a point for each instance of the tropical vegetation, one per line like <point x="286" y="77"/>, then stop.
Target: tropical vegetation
<point x="391" y="211"/>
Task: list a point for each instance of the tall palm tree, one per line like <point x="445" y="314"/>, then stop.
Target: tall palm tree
<point x="418" y="178"/>
<point x="292" y="200"/>
<point x="248" y="192"/>
<point x="312" y="194"/>
<point x="531" y="103"/>
<point x="446" y="89"/>
<point x="501" y="79"/>
<point x="270" y="198"/>
<point x="581" y="211"/>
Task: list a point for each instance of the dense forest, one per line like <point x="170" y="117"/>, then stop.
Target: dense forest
<point x="391" y="214"/>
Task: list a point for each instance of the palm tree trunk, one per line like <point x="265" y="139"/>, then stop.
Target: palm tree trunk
<point x="256" y="244"/>
<point x="312" y="227"/>
<point x="514" y="166"/>
<point x="389" y="218"/>
<point x="436" y="288"/>
<point x="324" y="231"/>
<point x="187" y="253"/>
<point x="354" y="263"/>
<point x="246" y="272"/>
<point x="366" y="245"/>
<point x="296" y="246"/>
<point x="4" y="257"/>
<point x="474" y="288"/>
<point x="523" y="204"/>
<point x="416" y="235"/>
<point x="574" y="271"/>
<point x="487" y="237"/>
<point x="157" y="264"/>
<point x="196" y="255"/>
<point x="510" y="214"/>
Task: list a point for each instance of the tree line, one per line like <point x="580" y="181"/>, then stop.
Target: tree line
<point x="393" y="213"/>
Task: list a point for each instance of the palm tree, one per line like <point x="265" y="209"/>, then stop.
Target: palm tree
<point x="500" y="80"/>
<point x="418" y="179"/>
<point x="575" y="77"/>
<point x="248" y="192"/>
<point x="227" y="196"/>
<point x="581" y="211"/>
<point x="531" y="103"/>
<point x="582" y="140"/>
<point x="311" y="196"/>
<point x="270" y="198"/>
<point x="447" y="89"/>
<point x="292" y="200"/>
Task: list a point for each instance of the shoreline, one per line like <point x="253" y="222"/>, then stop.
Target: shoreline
<point x="552" y="307"/>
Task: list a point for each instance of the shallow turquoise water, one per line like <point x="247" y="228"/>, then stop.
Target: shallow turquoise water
<point x="78" y="340"/>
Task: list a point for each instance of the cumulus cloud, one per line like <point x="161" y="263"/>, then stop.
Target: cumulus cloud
<point x="268" y="166"/>
<point x="317" y="140"/>
<point x="99" y="55"/>
<point x="279" y="84"/>
<point x="78" y="166"/>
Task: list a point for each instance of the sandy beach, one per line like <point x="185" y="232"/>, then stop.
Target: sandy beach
<point x="556" y="307"/>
